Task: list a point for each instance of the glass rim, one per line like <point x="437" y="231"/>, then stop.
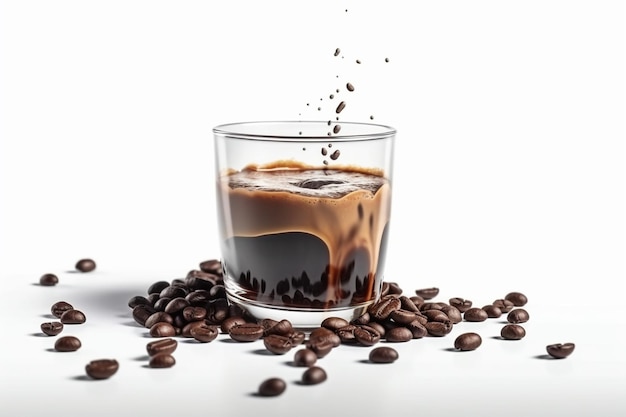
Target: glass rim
<point x="254" y="130"/>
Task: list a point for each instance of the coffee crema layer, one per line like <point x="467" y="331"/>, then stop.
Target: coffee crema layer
<point x="302" y="237"/>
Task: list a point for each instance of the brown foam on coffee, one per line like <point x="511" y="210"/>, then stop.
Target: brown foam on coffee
<point x="347" y="210"/>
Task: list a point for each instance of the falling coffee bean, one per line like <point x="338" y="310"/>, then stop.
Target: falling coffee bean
<point x="560" y="350"/>
<point x="67" y="344"/>
<point x="52" y="328"/>
<point x="314" y="375"/>
<point x="272" y="387"/>
<point x="383" y="354"/>
<point x="48" y="280"/>
<point x="467" y="341"/>
<point x="85" y="265"/>
<point x="102" y="368"/>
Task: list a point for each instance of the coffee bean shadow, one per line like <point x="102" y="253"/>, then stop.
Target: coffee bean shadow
<point x="82" y="378"/>
<point x="131" y="324"/>
<point x="142" y="358"/>
<point x="51" y="350"/>
<point x="262" y="352"/>
<point x="231" y="341"/>
<point x="49" y="316"/>
<point x="40" y="334"/>
<point x="364" y="361"/>
<point x="451" y="349"/>
<point x="545" y="357"/>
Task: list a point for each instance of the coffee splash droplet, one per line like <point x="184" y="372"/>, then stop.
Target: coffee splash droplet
<point x="340" y="107"/>
<point x="335" y="155"/>
<point x="350" y="87"/>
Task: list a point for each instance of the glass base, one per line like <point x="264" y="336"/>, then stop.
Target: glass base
<point x="301" y="319"/>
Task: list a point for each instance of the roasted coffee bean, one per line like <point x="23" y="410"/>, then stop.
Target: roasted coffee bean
<point x="468" y="341"/>
<point x="492" y="311"/>
<point x="231" y="321"/>
<point x="398" y="334"/>
<point x="157" y="317"/>
<point x="560" y="350"/>
<point x="518" y="315"/>
<point x="512" y="332"/>
<point x="246" y="332"/>
<point x="161" y="303"/>
<point x="322" y="334"/>
<point x="272" y="387"/>
<point x="320" y="347"/>
<point x="314" y="375"/>
<point x="59" y="308"/>
<point x="48" y="280"/>
<point x="52" y="328"/>
<point x="138" y="300"/>
<point x="204" y="333"/>
<point x="217" y="310"/>
<point x="282" y="328"/>
<point x="417" y="328"/>
<point x="102" y="368"/>
<point x="378" y="327"/>
<point x="186" y="329"/>
<point x="362" y="319"/>
<point x="166" y="346"/>
<point x="218" y="291"/>
<point x="67" y="344"/>
<point x="383" y="354"/>
<point x="504" y="305"/>
<point x="432" y="306"/>
<point x="296" y="337"/>
<point x="277" y="344"/>
<point x="73" y="317"/>
<point x="141" y="313"/>
<point x="366" y="335"/>
<point x="211" y="266"/>
<point x="172" y="291"/>
<point x="346" y="333"/>
<point x="417" y="300"/>
<point x="394" y="288"/>
<point x="407" y="304"/>
<point x="438" y="328"/>
<point x="461" y="304"/>
<point x="517" y="298"/>
<point x="334" y="323"/>
<point x="453" y="313"/>
<point x="176" y="305"/>
<point x="157" y="287"/>
<point x="153" y="298"/>
<point x="403" y="316"/>
<point x="162" y="329"/>
<point x="349" y="87"/>
<point x="85" y="265"/>
<point x="435" y="315"/>
<point x="427" y="293"/>
<point x="304" y="357"/>
<point x="381" y="309"/>
<point x="162" y="360"/>
<point x="475" y="314"/>
<point x="200" y="280"/>
<point x="191" y="313"/>
<point x="198" y="298"/>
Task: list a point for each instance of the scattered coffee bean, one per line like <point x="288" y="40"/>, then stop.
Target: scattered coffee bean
<point x="277" y="344"/>
<point x="512" y="332"/>
<point x="141" y="313"/>
<point x="304" y="357"/>
<point x="102" y="368"/>
<point x="427" y="293"/>
<point x="73" y="317"/>
<point x="212" y="266"/>
<point x="162" y="360"/>
<point x="52" y="328"/>
<point x="138" y="300"/>
<point x="517" y="298"/>
<point x="492" y="311"/>
<point x="205" y="333"/>
<point x="282" y="328"/>
<point x="321" y="347"/>
<point x="48" y="280"/>
<point x="560" y="350"/>
<point x="435" y="315"/>
<point x="468" y="341"/>
<point x="504" y="305"/>
<point x="366" y="335"/>
<point x="453" y="313"/>
<point x="67" y="344"/>
<point x="461" y="304"/>
<point x="247" y="332"/>
<point x="314" y="375"/>
<point x="166" y="346"/>
<point x="383" y="354"/>
<point x="381" y="309"/>
<point x="158" y="317"/>
<point x="272" y="387"/>
<point x="85" y="265"/>
<point x="162" y="329"/>
<point x="334" y="323"/>
<point x="518" y="315"/>
<point x="418" y="329"/>
<point x="475" y="314"/>
<point x="398" y="334"/>
<point x="157" y="287"/>
<point x="438" y="328"/>
<point x="322" y="334"/>
<point x="59" y="308"/>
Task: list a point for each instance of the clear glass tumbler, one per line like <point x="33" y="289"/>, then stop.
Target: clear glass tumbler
<point x="304" y="210"/>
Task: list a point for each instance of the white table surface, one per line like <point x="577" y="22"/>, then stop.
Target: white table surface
<point x="509" y="176"/>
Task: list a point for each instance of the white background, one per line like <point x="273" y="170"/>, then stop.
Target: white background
<point x="509" y="176"/>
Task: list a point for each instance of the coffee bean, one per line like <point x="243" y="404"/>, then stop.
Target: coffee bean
<point x="314" y="375"/>
<point x="518" y="315"/>
<point x="403" y="316"/>
<point x="282" y="328"/>
<point x="336" y="130"/>
<point x="512" y="332"/>
<point x="297" y="337"/>
<point x="187" y="328"/>
<point x="102" y="368"/>
<point x="73" y="317"/>
<point x="191" y="313"/>
<point x="59" y="308"/>
<point x="198" y="298"/>
<point x="212" y="266"/>
<point x="560" y="350"/>
<point x="492" y="311"/>
<point x="504" y="305"/>
<point x="272" y="387"/>
<point x="162" y="329"/>
<point x="438" y="328"/>
<point x="427" y="293"/>
<point x="383" y="354"/>
<point x="231" y="321"/>
<point x="475" y="314"/>
<point x="406" y="303"/>
<point x="138" y="300"/>
<point x="517" y="298"/>
<point x="162" y="360"/>
<point x="346" y="333"/>
<point x="161" y="303"/>
<point x="200" y="280"/>
<point x="304" y="357"/>
<point x="453" y="313"/>
<point x="398" y="334"/>
<point x="381" y="309"/>
<point x="166" y="346"/>
<point x="322" y="334"/>
<point x="48" y="280"/>
<point x="366" y="335"/>
<point x="85" y="265"/>
<point x="204" y="333"/>
<point x="277" y="344"/>
<point x="337" y="51"/>
<point x="334" y="323"/>
<point x="418" y="329"/>
<point x="468" y="341"/>
<point x="176" y="305"/>
<point x="141" y="313"/>
<point x="246" y="332"/>
<point x="321" y="347"/>
<point x="340" y="107"/>
<point x="461" y="304"/>
<point x="157" y="287"/>
<point x="172" y="291"/>
<point x="435" y="315"/>
<point x="67" y="344"/>
<point x="52" y="328"/>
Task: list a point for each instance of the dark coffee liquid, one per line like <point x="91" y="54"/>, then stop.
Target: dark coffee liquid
<point x="296" y="237"/>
